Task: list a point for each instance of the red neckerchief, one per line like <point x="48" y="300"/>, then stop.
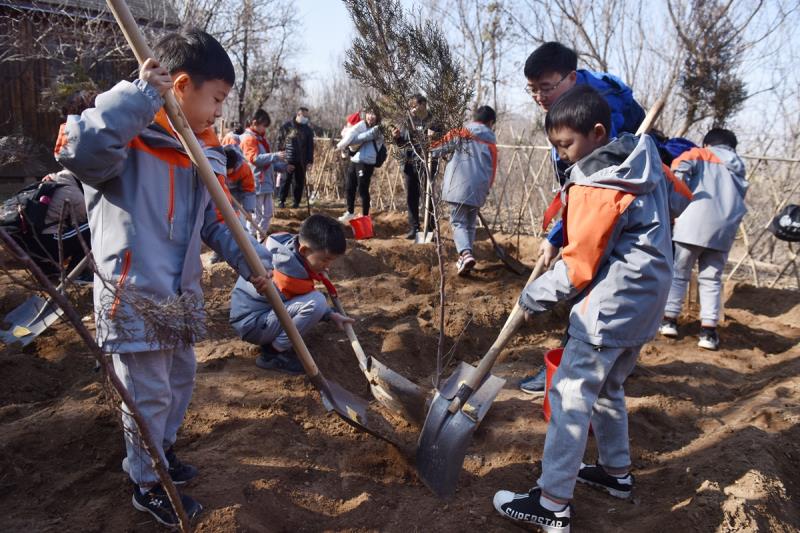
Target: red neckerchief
<point x="321" y="278"/>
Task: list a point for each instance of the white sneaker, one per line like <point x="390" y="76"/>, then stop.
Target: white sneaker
<point x="708" y="339"/>
<point x="465" y="263"/>
<point x="668" y="328"/>
<point x="347" y="217"/>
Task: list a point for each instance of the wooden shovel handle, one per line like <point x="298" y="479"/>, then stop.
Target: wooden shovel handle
<point x="363" y="359"/>
<point x="185" y="134"/>
<point x="511" y="326"/>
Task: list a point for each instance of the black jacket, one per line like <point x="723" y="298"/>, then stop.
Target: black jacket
<point x="298" y="141"/>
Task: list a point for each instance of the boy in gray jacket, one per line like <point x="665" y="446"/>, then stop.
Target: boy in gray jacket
<point x="299" y="260"/>
<point x="148" y="213"/>
<point x="468" y="177"/>
<point x="616" y="267"/>
<point x="705" y="232"/>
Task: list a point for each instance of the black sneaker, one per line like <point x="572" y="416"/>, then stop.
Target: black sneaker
<point x="527" y="509"/>
<point x="534" y="384"/>
<point x="295" y="205"/>
<point x="708" y="339"/>
<point x="286" y="361"/>
<point x="282" y="204"/>
<point x="180" y="473"/>
<point x="412" y="234"/>
<point x="156" y="502"/>
<point x="596" y="476"/>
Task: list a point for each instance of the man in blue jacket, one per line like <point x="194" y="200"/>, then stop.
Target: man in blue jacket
<point x="551" y="70"/>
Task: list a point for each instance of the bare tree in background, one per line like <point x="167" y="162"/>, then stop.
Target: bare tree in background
<point x="396" y="57"/>
<point x="480" y="29"/>
<point x="261" y="38"/>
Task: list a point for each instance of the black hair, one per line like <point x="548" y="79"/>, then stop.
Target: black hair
<point x="374" y="110"/>
<point x="579" y="109"/>
<point x="197" y="54"/>
<point x="238" y="129"/>
<point x="484" y="114"/>
<point x="261" y="117"/>
<point x="717" y="136"/>
<point x="550" y="57"/>
<point x="419" y="98"/>
<point x="322" y="233"/>
<point x="302" y="108"/>
<point x="232" y="155"/>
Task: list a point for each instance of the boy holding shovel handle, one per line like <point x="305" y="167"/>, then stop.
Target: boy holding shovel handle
<point x="148" y="212"/>
<point x="616" y="267"/>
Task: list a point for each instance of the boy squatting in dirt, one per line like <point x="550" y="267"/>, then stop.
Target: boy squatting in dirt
<point x="468" y="177"/>
<point x="617" y="266"/>
<point x="148" y="212"/>
<point x="705" y="232"/>
<point x="299" y="260"/>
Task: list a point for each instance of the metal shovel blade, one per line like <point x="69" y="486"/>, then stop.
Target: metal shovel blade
<point x="445" y="437"/>
<point x="423" y="237"/>
<point x="29" y="320"/>
<point x="509" y="261"/>
<point x="396" y="392"/>
<point x="353" y="410"/>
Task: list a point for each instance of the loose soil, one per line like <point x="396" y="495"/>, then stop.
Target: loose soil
<point x="715" y="435"/>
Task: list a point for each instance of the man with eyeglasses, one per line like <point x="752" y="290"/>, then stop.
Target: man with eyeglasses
<point x="551" y="70"/>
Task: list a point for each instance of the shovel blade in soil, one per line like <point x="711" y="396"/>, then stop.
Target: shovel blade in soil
<point x="29" y="320"/>
<point x="354" y="410"/>
<point x="424" y="238"/>
<point x="445" y="436"/>
<point x="397" y="393"/>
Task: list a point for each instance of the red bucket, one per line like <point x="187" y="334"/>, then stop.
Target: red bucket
<point x="551" y="361"/>
<point x="362" y="227"/>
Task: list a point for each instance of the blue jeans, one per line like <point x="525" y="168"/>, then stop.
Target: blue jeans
<point x="464" y="222"/>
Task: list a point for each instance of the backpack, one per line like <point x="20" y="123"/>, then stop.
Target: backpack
<point x="380" y="154"/>
<point x="786" y="225"/>
<point x="25" y="211"/>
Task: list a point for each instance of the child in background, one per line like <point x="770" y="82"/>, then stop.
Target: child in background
<point x="148" y="212"/>
<point x="705" y="232"/>
<point x="299" y="260"/>
<point x="616" y="267"/>
<point x="468" y="177"/>
<point x="234" y="136"/>
<point x="264" y="163"/>
<point x="354" y="125"/>
<point x="239" y="178"/>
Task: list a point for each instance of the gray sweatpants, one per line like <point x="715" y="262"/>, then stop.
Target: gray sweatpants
<point x="710" y="265"/>
<point x="587" y="387"/>
<point x="463" y="220"/>
<point x="306" y="311"/>
<point x="160" y="383"/>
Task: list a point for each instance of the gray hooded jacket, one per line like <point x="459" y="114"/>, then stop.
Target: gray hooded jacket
<point x="716" y="177"/>
<point x="471" y="171"/>
<point x="148" y="211"/>
<point x="617" y="260"/>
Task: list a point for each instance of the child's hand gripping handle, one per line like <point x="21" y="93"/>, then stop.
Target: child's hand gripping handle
<point x="515" y="320"/>
<point x="142" y="52"/>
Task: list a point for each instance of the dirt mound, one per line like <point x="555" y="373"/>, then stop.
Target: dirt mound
<point x="715" y="436"/>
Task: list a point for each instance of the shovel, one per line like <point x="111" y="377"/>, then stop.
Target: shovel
<point x="511" y="262"/>
<point x="425" y="237"/>
<point x="392" y="390"/>
<point x="346" y="405"/>
<point x="458" y="407"/>
<point x="35" y="315"/>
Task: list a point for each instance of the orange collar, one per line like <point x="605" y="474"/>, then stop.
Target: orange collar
<point x="207" y="136"/>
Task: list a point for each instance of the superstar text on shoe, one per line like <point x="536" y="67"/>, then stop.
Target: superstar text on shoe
<point x="526" y="508"/>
